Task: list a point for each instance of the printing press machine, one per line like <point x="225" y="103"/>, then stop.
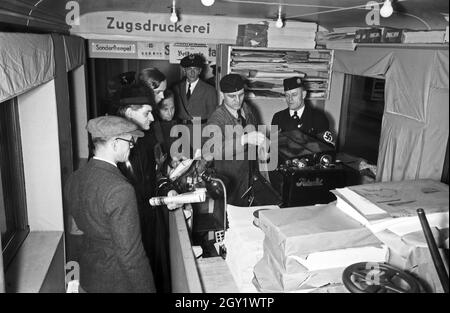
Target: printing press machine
<point x="307" y="170"/>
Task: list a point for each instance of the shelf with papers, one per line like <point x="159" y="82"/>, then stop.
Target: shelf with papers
<point x="265" y="69"/>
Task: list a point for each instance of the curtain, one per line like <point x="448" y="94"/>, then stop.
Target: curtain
<point x="415" y="124"/>
<point x="26" y="61"/>
<point x="75" y="52"/>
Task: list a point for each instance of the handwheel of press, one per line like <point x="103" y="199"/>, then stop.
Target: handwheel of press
<point x="374" y="277"/>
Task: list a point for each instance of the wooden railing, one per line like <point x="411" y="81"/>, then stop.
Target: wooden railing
<point x="185" y="275"/>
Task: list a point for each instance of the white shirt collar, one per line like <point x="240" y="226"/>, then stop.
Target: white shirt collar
<point x="192" y="85"/>
<point x="104" y="160"/>
<point x="299" y="111"/>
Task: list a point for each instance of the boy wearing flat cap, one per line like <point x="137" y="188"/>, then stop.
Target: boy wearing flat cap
<point x="103" y="204"/>
<point x="300" y="115"/>
<point x="193" y="96"/>
<point x="237" y="168"/>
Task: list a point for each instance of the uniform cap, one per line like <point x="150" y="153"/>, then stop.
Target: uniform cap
<point x="292" y="83"/>
<point x="110" y="126"/>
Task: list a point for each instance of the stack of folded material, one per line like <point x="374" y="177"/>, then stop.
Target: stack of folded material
<point x="308" y="247"/>
<point x="389" y="210"/>
<point x="243" y="241"/>
<point x="393" y="205"/>
<point x="297" y="35"/>
<point x="434" y="36"/>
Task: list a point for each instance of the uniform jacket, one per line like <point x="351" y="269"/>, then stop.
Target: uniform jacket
<point x="237" y="170"/>
<point x="313" y="122"/>
<point x="103" y="204"/>
<point x="202" y="102"/>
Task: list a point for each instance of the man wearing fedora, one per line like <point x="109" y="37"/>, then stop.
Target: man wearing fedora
<point x="193" y="96"/>
<point x="103" y="204"/>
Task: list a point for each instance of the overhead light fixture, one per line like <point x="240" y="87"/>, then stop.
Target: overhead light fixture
<point x="207" y="3"/>
<point x="173" y="15"/>
<point x="386" y="9"/>
<point x="279" y="23"/>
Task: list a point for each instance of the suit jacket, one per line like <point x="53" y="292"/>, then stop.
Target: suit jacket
<point x="103" y="204"/>
<point x="234" y="162"/>
<point x="202" y="103"/>
<point x="313" y="122"/>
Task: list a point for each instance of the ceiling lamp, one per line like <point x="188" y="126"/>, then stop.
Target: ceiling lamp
<point x="207" y="3"/>
<point x="279" y="23"/>
<point x="386" y="9"/>
<point x="173" y="15"/>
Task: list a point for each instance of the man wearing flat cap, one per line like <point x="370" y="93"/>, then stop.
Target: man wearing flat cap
<point x="193" y="96"/>
<point x="237" y="167"/>
<point x="103" y="204"/>
<point x="299" y="115"/>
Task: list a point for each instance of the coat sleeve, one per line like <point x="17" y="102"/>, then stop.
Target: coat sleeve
<point x="212" y="102"/>
<point x="227" y="145"/>
<point x="275" y="119"/>
<point x="126" y="234"/>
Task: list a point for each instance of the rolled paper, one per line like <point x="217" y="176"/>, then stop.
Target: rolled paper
<point x="193" y="197"/>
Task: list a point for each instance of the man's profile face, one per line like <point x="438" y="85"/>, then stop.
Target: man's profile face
<point x="294" y="98"/>
<point x="192" y="73"/>
<point x="143" y="116"/>
<point x="124" y="146"/>
<point x="234" y="100"/>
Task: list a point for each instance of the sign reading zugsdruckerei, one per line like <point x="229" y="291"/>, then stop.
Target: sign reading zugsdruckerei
<point x="156" y="27"/>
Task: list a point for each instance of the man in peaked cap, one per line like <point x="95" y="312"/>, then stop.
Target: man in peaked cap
<point x="300" y="115"/>
<point x="103" y="204"/>
<point x="237" y="167"/>
<point x="193" y="96"/>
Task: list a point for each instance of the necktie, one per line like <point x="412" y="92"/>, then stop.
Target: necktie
<point x="295" y="116"/>
<point x="241" y="118"/>
<point x="188" y="94"/>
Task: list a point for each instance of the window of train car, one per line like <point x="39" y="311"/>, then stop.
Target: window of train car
<point x="13" y="212"/>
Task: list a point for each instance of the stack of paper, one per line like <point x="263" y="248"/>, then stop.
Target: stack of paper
<point x="339" y="39"/>
<point x="243" y="241"/>
<point x="393" y="205"/>
<point x="435" y="36"/>
<point x="345" y="42"/>
<point x="292" y="35"/>
<point x="310" y="246"/>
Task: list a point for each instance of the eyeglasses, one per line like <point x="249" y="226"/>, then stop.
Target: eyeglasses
<point x="130" y="142"/>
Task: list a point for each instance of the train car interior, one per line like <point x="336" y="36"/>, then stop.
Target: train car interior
<point x="377" y="70"/>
